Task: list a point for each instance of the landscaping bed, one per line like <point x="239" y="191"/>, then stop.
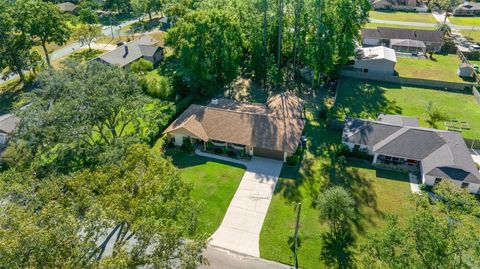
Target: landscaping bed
<point x="368" y="99"/>
<point x="214" y="184"/>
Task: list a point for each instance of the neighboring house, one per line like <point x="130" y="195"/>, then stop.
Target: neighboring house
<point x="406" y="5"/>
<point x="67" y="7"/>
<point x="271" y="130"/>
<point x="397" y="141"/>
<point x="465" y="70"/>
<point x="467" y="9"/>
<point x="405" y="40"/>
<point x="379" y="60"/>
<point x="126" y="54"/>
<point x="8" y="123"/>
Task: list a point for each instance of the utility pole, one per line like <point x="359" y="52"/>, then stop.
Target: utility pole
<point x="298" y="208"/>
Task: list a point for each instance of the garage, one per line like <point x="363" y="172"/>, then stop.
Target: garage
<point x="268" y="153"/>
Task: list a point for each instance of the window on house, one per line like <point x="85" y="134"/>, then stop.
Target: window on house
<point x="437" y="180"/>
<point x="356" y="147"/>
<point x="464" y="185"/>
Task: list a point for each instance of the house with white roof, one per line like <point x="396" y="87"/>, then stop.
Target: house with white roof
<point x="379" y="60"/>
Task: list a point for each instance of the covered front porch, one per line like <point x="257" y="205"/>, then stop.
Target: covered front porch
<point x="396" y="163"/>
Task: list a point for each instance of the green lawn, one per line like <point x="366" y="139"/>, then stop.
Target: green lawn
<point x="442" y="67"/>
<point x="403" y="16"/>
<point x="367" y="99"/>
<point x="375" y="25"/>
<point x="214" y="184"/>
<point x="376" y="193"/>
<point x="473" y="35"/>
<point x="469" y="21"/>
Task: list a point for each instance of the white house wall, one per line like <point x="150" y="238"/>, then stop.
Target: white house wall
<point x="378" y="66"/>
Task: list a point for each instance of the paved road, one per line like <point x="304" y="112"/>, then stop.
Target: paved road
<point x="64" y="51"/>
<point x="421" y="24"/>
<point x="221" y="259"/>
<point x="241" y="226"/>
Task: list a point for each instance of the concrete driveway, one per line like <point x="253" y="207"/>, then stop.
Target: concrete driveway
<point x="241" y="226"/>
<point x="221" y="259"/>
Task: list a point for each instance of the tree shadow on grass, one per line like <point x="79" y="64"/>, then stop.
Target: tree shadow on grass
<point x="364" y="99"/>
<point x="9" y="96"/>
<point x="337" y="251"/>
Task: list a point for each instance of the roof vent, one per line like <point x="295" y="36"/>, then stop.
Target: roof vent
<point x="214" y="101"/>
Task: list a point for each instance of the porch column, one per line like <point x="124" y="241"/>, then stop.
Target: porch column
<point x="375" y="156"/>
<point x="204" y="145"/>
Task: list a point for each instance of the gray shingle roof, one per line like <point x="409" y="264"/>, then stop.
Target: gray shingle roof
<point x="8" y="123"/>
<point x="130" y="52"/>
<point x="367" y="133"/>
<point x="399" y="33"/>
<point x="441" y="153"/>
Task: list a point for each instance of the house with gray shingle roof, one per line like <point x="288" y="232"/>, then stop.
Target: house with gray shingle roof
<point x="398" y="141"/>
<point x="124" y="55"/>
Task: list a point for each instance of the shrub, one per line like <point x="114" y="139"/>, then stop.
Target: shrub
<point x="232" y="154"/>
<point x="342" y="150"/>
<point x="141" y="66"/>
<point x="187" y="145"/>
<point x="159" y="87"/>
<point x="293" y="160"/>
<point x="323" y="113"/>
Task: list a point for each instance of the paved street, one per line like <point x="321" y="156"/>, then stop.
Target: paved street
<point x="221" y="259"/>
<point x="241" y="226"/>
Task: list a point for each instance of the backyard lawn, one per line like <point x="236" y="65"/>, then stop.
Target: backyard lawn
<point x="375" y="25"/>
<point x="403" y="16"/>
<point x="375" y="192"/>
<point x="214" y="184"/>
<point x="469" y="21"/>
<point x="367" y="99"/>
<point x="442" y="67"/>
<point x="474" y="35"/>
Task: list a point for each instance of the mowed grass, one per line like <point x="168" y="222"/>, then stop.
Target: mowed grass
<point x="468" y="21"/>
<point x="403" y="16"/>
<point x="375" y="25"/>
<point x="441" y="67"/>
<point x="214" y="184"/>
<point x="376" y="193"/>
<point x="473" y="35"/>
<point x="368" y="99"/>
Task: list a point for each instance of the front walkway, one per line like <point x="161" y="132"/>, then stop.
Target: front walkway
<point x="241" y="226"/>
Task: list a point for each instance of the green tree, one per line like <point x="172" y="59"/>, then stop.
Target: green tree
<point x="160" y="87"/>
<point x="15" y="42"/>
<point x="141" y="66"/>
<point x="444" y="5"/>
<point x="208" y="46"/>
<point x="86" y="111"/>
<point x="88" y="15"/>
<point x="47" y="24"/>
<point x="87" y="33"/>
<point x="434" y="114"/>
<point x="59" y="220"/>
<point x="337" y="208"/>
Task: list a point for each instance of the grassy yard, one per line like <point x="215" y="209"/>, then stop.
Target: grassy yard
<point x="367" y="99"/>
<point x="442" y="67"/>
<point x="375" y="192"/>
<point x="214" y="184"/>
<point x="375" y="25"/>
<point x="473" y="21"/>
<point x="403" y="16"/>
<point x="473" y="35"/>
